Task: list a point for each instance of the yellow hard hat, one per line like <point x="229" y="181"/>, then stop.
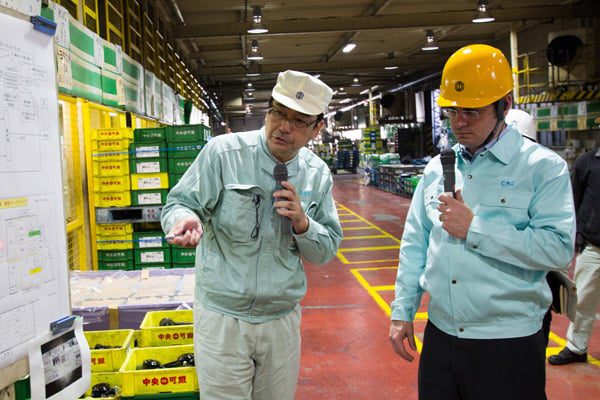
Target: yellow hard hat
<point x="475" y="76"/>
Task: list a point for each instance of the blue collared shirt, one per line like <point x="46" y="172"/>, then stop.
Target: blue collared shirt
<point x="491" y="285"/>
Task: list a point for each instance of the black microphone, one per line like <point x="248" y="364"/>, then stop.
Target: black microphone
<point x="280" y="173"/>
<point x="448" y="158"/>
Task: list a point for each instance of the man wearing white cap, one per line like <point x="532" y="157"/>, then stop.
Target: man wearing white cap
<point x="251" y="233"/>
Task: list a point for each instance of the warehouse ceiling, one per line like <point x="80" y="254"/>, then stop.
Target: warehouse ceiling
<point x="308" y="35"/>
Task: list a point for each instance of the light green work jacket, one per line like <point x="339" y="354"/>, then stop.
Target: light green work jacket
<point x="247" y="266"/>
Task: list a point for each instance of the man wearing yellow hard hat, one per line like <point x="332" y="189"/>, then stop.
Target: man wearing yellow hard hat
<point x="483" y="254"/>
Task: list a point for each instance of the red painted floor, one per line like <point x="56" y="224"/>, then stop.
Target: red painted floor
<point x="345" y="350"/>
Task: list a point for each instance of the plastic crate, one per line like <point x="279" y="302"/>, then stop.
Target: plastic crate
<point x="150" y="135"/>
<point x="110" y="145"/>
<point x="110" y="167"/>
<point x="147" y="150"/>
<point x="185" y="133"/>
<point x="179" y="165"/>
<point x="180" y="255"/>
<point x="112" y="133"/>
<point x="115" y="255"/>
<point x="109" y="359"/>
<point x="184" y="265"/>
<point x="149" y="197"/>
<point x="165" y="265"/>
<point x="154" y="381"/>
<point x="152" y="255"/>
<point x="155" y="335"/>
<point x="184" y="150"/>
<point x="149" y="181"/>
<point x="120" y="242"/>
<point x="114" y="379"/>
<point x="148" y="165"/>
<point x="124" y="265"/>
<point x="173" y="179"/>
<point x="146" y="240"/>
<point x="112" y="183"/>
<point x="112" y="199"/>
<point x="166" y="396"/>
<point x="114" y="229"/>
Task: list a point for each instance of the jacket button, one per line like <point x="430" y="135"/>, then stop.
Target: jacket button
<point x="469" y="176"/>
<point x="502" y="201"/>
<point x="475" y="246"/>
<point x="454" y="281"/>
<point x="461" y="329"/>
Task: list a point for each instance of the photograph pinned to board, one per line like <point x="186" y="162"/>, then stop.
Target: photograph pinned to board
<point x="60" y="364"/>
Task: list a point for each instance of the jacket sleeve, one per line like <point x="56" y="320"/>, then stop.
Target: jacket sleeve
<point x="197" y="193"/>
<point x="413" y="257"/>
<point x="321" y="241"/>
<point x="547" y="241"/>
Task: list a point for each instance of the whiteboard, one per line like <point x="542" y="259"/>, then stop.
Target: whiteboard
<point x="33" y="263"/>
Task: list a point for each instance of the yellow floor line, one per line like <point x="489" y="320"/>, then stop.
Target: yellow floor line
<point x="384" y="288"/>
<point x="373" y="248"/>
<point x="366" y="237"/>
<point x="356" y="228"/>
<point x="351" y="220"/>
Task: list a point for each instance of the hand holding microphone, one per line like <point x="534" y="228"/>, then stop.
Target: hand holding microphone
<point x="448" y="159"/>
<point x="287" y="202"/>
<point x="455" y="215"/>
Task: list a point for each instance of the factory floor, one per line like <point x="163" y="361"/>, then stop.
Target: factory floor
<point x="346" y="353"/>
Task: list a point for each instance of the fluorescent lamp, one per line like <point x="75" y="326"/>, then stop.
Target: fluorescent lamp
<point x="482" y="15"/>
<point x="349" y="47"/>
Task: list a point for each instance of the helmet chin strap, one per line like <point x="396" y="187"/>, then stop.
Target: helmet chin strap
<point x="500" y="124"/>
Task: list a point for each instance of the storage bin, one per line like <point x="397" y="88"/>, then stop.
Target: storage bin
<point x="155" y="335"/>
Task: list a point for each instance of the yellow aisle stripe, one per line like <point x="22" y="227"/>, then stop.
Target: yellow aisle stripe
<point x="373" y="248"/>
<point x="357" y="228"/>
<point x="366" y="237"/>
<point x="351" y="220"/>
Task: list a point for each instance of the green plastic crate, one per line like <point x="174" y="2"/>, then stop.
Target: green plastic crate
<point x="149" y="240"/>
<point x="115" y="255"/>
<point x="184" y="150"/>
<point x="23" y="389"/>
<point x="173" y="179"/>
<point x="144" y="257"/>
<point x="147" y="150"/>
<point x="185" y="133"/>
<point x="151" y="135"/>
<point x="166" y="265"/>
<point x="126" y="265"/>
<point x="179" y="165"/>
<point x="180" y="255"/>
<point x="186" y="265"/>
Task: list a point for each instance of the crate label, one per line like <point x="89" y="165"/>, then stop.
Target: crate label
<point x="150" y="241"/>
<point x="149" y="183"/>
<point x="165" y="380"/>
<point x="176" y="336"/>
<point x="147" y="151"/>
<point x="152" y="257"/>
<point x="148" y="167"/>
<point x="149" y="198"/>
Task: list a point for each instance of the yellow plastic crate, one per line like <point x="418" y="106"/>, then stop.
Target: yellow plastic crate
<point x="152" y="381"/>
<point x="114" y="379"/>
<point x="110" y="156"/>
<point x="104" y="360"/>
<point x="155" y="335"/>
<point x="150" y="181"/>
<point x="112" y="134"/>
<point x="110" y="145"/>
<point x="115" y="242"/>
<point x="114" y="229"/>
<point x="112" y="199"/>
<point x="110" y="168"/>
<point x="111" y="183"/>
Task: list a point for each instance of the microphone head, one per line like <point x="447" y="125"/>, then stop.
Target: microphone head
<point x="280" y="172"/>
<point x="447" y="156"/>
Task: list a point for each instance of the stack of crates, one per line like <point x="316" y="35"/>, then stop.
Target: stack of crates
<point x="109" y="349"/>
<point x="184" y="143"/>
<point x="151" y="250"/>
<point x="110" y="167"/>
<point x="164" y="344"/>
<point x="148" y="160"/>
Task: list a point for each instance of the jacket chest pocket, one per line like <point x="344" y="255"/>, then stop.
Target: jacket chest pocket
<point x="510" y="206"/>
<point x="431" y="194"/>
<point x="238" y="216"/>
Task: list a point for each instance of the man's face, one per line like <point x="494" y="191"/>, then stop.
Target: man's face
<point x="472" y="126"/>
<point x="287" y="131"/>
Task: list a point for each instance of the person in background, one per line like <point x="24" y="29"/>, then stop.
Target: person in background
<point x="251" y="238"/>
<point x="586" y="192"/>
<point x="483" y="256"/>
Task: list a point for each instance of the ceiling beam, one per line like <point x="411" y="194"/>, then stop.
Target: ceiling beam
<point x="405" y="62"/>
<point x="383" y="22"/>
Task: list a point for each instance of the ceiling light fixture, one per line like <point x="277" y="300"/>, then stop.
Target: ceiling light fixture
<point x="257" y="24"/>
<point x="249" y="87"/>
<point x="391" y="59"/>
<point x="430" y="44"/>
<point x="349" y="47"/>
<point x="355" y="81"/>
<point x="254" y="53"/>
<point x="482" y="15"/>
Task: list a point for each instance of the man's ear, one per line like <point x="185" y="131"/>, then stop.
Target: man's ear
<point x="317" y="129"/>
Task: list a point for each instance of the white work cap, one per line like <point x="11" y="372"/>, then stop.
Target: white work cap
<point x="523" y="122"/>
<point x="302" y="92"/>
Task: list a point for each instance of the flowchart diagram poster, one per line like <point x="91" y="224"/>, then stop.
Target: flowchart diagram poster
<point x="33" y="263"/>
